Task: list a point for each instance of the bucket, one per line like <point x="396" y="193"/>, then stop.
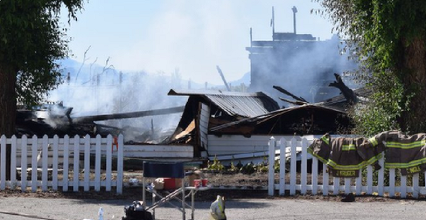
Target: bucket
<point x="197" y="183"/>
<point x="204" y="182"/>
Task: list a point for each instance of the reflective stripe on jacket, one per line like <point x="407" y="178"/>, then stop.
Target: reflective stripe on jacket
<point x="405" y="152"/>
<point x="346" y="156"/>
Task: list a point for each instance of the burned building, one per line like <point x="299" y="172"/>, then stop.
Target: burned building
<point x="300" y="63"/>
<point x="208" y="108"/>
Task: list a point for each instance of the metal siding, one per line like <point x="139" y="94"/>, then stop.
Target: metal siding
<point x="204" y="123"/>
<point x="237" y="144"/>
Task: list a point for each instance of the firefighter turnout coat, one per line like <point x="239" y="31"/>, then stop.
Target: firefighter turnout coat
<point x="346" y="156"/>
<point x="405" y="152"/>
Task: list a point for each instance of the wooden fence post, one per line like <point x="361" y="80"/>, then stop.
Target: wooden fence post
<point x="283" y="160"/>
<point x="65" y="173"/>
<point x="24" y="158"/>
<point x="14" y="145"/>
<point x="120" y="164"/>
<point x="293" y="170"/>
<point x="98" y="163"/>
<point x="76" y="163"/>
<point x="87" y="163"/>
<point x="34" y="166"/>
<point x="271" y="171"/>
<point x="44" y="156"/>
<point x="108" y="164"/>
<point x="3" y="162"/>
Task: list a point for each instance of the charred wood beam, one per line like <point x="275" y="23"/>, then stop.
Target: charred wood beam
<point x="128" y="115"/>
<point x="348" y="93"/>
<point x="292" y="102"/>
<point x="223" y="78"/>
<point x="289" y="94"/>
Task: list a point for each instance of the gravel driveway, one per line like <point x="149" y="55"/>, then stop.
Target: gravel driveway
<point x="22" y="208"/>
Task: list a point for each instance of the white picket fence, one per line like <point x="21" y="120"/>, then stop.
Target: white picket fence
<point x="299" y="182"/>
<point x="59" y="163"/>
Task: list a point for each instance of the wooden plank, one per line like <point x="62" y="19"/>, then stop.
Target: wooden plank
<point x="271" y="157"/>
<point x="264" y="138"/>
<point x="381" y="177"/>
<point x="237" y="142"/>
<point x="415" y="187"/>
<point x="61" y="141"/>
<point x="304" y="170"/>
<point x="391" y="182"/>
<point x="130" y="114"/>
<point x="158" y="154"/>
<point x="87" y="163"/>
<point x="13" y="163"/>
<point x="3" y="162"/>
<point x="158" y="148"/>
<point x="119" y="180"/>
<point x="242" y="156"/>
<point x="347" y="185"/>
<point x="293" y="173"/>
<point x="34" y="165"/>
<point x="336" y="185"/>
<point x="108" y="170"/>
<point x="76" y="163"/>
<point x="98" y="164"/>
<point x="44" y="157"/>
<point x="55" y="163"/>
<point x="65" y="180"/>
<point x="325" y="181"/>
<point x="314" y="179"/>
<point x="403" y="186"/>
<point x="369" y="180"/>
<point x="358" y="183"/>
<point x="236" y="149"/>
<point x="283" y="146"/>
<point x="24" y="163"/>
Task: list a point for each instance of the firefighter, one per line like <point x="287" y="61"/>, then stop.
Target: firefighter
<point x="217" y="209"/>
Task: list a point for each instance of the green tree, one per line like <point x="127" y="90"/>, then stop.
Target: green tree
<point x="388" y="38"/>
<point x="31" y="40"/>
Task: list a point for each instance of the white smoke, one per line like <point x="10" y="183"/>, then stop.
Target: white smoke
<point x="96" y="90"/>
<point x="301" y="68"/>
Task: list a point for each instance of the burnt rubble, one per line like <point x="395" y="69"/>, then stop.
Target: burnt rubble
<point x="46" y="121"/>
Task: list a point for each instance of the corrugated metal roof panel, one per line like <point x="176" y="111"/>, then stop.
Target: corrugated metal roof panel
<point x="235" y="103"/>
<point x="247" y="106"/>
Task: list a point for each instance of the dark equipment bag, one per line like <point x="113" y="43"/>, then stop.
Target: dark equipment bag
<point x="135" y="211"/>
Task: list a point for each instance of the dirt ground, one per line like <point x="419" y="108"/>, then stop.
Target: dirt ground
<point x="232" y="185"/>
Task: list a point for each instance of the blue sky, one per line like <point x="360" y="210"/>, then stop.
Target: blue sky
<point x="193" y="36"/>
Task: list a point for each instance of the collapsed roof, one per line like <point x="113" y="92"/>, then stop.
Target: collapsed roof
<point x="299" y="120"/>
<point x="234" y="104"/>
<point x="255" y="114"/>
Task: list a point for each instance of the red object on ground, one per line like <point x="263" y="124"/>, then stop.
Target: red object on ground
<point x="169" y="183"/>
